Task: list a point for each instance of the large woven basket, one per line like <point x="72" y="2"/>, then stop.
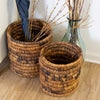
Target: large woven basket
<point x="60" y="66"/>
<point x="23" y="55"/>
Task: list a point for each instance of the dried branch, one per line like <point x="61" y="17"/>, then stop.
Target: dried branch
<point x="58" y="13"/>
<point x="53" y="10"/>
<point x="46" y="13"/>
<point x="78" y="11"/>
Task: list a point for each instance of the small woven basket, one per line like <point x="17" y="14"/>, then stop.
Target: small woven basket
<point x="23" y="55"/>
<point x="60" y="66"/>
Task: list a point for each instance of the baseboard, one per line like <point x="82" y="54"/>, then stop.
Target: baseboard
<point x="92" y="58"/>
<point x="4" y="63"/>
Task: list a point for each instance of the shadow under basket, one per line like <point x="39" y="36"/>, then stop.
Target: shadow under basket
<point x="60" y="66"/>
<point x="23" y="55"/>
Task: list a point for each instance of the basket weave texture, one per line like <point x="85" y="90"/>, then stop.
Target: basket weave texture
<point x="23" y="55"/>
<point x="60" y="66"/>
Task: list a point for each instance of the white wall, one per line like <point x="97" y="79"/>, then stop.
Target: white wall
<point x="90" y="36"/>
<point x="8" y="14"/>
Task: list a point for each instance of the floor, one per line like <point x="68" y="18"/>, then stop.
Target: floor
<point x="13" y="87"/>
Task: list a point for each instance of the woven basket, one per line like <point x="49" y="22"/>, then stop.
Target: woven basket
<point x="60" y="66"/>
<point x="23" y="55"/>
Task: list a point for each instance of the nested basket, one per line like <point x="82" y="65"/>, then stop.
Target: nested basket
<point x="60" y="66"/>
<point x="23" y="55"/>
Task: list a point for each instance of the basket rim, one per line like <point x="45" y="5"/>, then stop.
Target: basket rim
<point x="61" y="65"/>
<point x="24" y="42"/>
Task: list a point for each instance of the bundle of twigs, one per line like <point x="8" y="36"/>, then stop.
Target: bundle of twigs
<point x="52" y="21"/>
<point x="79" y="10"/>
<point x="29" y="28"/>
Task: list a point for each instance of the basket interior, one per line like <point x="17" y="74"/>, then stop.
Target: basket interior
<point x="18" y="34"/>
<point x="61" y="55"/>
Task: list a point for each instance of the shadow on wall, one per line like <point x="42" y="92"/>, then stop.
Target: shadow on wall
<point x="10" y="10"/>
<point x="10" y="16"/>
<point x="92" y="46"/>
<point x="59" y="33"/>
<point x="4" y="45"/>
<point x="40" y="10"/>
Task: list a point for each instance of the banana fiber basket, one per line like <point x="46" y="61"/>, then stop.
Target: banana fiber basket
<point x="23" y="55"/>
<point x="60" y="66"/>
